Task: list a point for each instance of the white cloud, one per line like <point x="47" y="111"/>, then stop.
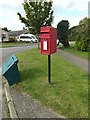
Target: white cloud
<point x="71" y="20"/>
<point x="9" y="9"/>
<point x="80" y="5"/>
<point x="11" y="2"/>
<point x="13" y="23"/>
<point x="70" y="5"/>
<point x="89" y="9"/>
<point x="8" y="14"/>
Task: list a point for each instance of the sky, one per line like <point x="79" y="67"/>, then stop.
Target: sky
<point x="71" y="10"/>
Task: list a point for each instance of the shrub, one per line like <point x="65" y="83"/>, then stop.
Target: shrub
<point x="11" y="39"/>
<point x="81" y="43"/>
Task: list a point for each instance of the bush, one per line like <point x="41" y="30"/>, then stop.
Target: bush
<point x="11" y="39"/>
<point x="81" y="43"/>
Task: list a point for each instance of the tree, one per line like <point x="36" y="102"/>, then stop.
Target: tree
<point x="73" y="32"/>
<point x="80" y="34"/>
<point x="81" y="29"/>
<point x="5" y="29"/>
<point x="62" y="32"/>
<point x="38" y="14"/>
<point x="84" y="22"/>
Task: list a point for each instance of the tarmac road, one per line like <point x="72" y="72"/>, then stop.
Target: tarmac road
<point x="5" y="53"/>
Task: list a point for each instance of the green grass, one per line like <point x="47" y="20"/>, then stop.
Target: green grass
<point x="68" y="93"/>
<point x="13" y="44"/>
<point x="74" y="50"/>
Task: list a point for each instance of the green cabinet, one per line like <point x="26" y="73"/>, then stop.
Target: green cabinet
<point x="10" y="70"/>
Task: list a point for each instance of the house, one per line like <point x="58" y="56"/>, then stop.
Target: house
<point x="3" y="35"/>
<point x="16" y="34"/>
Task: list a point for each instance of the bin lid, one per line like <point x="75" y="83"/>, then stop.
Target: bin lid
<point x="8" y="64"/>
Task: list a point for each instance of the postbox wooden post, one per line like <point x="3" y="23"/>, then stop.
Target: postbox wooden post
<point x="49" y="69"/>
<point x="48" y="37"/>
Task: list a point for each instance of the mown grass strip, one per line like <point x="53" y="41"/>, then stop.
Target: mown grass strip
<point x="68" y="92"/>
<point x="13" y="44"/>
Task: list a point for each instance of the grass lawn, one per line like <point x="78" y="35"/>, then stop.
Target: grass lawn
<point x="68" y="93"/>
<point x="75" y="51"/>
<point x="13" y="44"/>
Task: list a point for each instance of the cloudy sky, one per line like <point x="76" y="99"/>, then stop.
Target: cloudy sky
<point x="71" y="10"/>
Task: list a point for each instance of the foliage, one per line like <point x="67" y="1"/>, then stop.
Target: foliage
<point x="5" y="29"/>
<point x="84" y="22"/>
<point x="73" y="32"/>
<point x="11" y="39"/>
<point x="80" y="34"/>
<point x="81" y="43"/>
<point x="38" y="14"/>
<point x="62" y="32"/>
<point x="81" y="29"/>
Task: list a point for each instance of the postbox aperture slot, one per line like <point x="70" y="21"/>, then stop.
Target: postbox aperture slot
<point x="45" y="35"/>
<point x="44" y="32"/>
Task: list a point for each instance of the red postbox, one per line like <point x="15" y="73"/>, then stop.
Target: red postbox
<point x="48" y="40"/>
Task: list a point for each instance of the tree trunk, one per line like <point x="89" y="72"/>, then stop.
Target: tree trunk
<point x="2" y="37"/>
<point x="38" y="41"/>
<point x="67" y="44"/>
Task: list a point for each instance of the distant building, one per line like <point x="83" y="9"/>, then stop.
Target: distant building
<point x="16" y="34"/>
<point x="3" y="35"/>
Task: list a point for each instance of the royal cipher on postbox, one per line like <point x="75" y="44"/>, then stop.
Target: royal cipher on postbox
<point x="48" y="40"/>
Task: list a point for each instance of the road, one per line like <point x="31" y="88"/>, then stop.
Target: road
<point x="5" y="53"/>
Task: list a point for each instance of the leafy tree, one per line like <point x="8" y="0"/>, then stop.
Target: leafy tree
<point x="81" y="29"/>
<point x="62" y="32"/>
<point x="84" y="22"/>
<point x="5" y="29"/>
<point x="73" y="32"/>
<point x="39" y="13"/>
<point x="80" y="34"/>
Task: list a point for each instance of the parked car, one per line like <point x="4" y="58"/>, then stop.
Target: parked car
<point x="57" y="42"/>
<point x="28" y="38"/>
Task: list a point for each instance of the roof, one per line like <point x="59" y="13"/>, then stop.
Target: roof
<point x="17" y="33"/>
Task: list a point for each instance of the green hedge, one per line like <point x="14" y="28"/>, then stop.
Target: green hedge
<point x="81" y="43"/>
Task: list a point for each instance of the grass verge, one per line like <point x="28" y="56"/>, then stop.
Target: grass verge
<point x="13" y="44"/>
<point x="74" y="50"/>
<point x="68" y="92"/>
